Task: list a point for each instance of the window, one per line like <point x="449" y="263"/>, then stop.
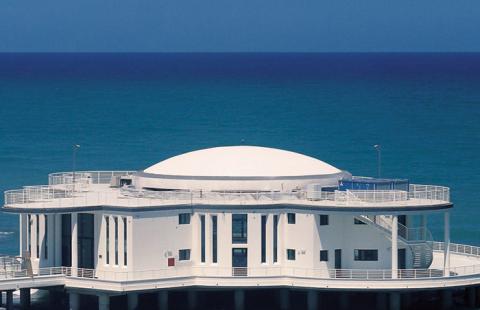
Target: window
<point x="184" y="218"/>
<point x="45" y="237"/>
<point x="323" y="219"/>
<point x="264" y="238"/>
<point x="85" y="240"/>
<point x="239" y="228"/>
<point x="184" y="254"/>
<point x="37" y="237"/>
<point x="107" y="239"/>
<point x="202" y="235"/>
<point x="358" y="222"/>
<point x="125" y="244"/>
<point x="67" y="240"/>
<point x="290" y="254"/>
<point x="214" y="239"/>
<point x="115" y="219"/>
<point x="366" y="255"/>
<point x="275" y="238"/>
<point x="324" y="255"/>
<point x="291" y="218"/>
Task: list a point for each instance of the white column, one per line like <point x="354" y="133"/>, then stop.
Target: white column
<point x="394" y="246"/>
<point x="23" y="233"/>
<point x="57" y="239"/>
<point x="74" y="243"/>
<point x="446" y="250"/>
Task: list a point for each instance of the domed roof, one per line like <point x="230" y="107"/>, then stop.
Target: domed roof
<point x="242" y="161"/>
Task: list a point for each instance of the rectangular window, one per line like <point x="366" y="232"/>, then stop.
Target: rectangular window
<point x="366" y="255"/>
<point x="324" y="255"/>
<point x="264" y="238"/>
<point x="214" y="239"/>
<point x="125" y="244"/>
<point x="290" y="254"/>
<point x="275" y="238"/>
<point x="358" y="222"/>
<point x="291" y="218"/>
<point x="115" y="219"/>
<point x="45" y="237"/>
<point x="323" y="219"/>
<point x="202" y="233"/>
<point x="184" y="254"/>
<point x="239" y="228"/>
<point x="67" y="240"/>
<point x="107" y="239"/>
<point x="184" y="218"/>
<point x="37" y="237"/>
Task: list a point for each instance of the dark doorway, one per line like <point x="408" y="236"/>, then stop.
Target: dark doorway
<point x="239" y="257"/>
<point x="338" y="259"/>
<point x="85" y="240"/>
<point x="67" y="240"/>
<point x="402" y="259"/>
<point x="402" y="219"/>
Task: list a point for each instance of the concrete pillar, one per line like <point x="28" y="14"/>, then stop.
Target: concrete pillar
<point x="381" y="301"/>
<point x="394" y="301"/>
<point x="192" y="299"/>
<point x="103" y="302"/>
<point x="74" y="301"/>
<point x="239" y="298"/>
<point x="446" y="251"/>
<point x="284" y="299"/>
<point x="394" y="246"/>
<point x="423" y="225"/>
<point x="162" y="300"/>
<point x="312" y="300"/>
<point x="23" y="230"/>
<point x="471" y="296"/>
<point x="9" y="301"/>
<point x="1" y="298"/>
<point x="25" y="298"/>
<point x="343" y="301"/>
<point x="57" y="240"/>
<point x="447" y="299"/>
<point x="132" y="301"/>
<point x="74" y="244"/>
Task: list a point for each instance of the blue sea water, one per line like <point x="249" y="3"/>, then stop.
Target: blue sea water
<point x="128" y="111"/>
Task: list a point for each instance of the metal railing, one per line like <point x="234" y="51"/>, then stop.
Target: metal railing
<point x="92" y="177"/>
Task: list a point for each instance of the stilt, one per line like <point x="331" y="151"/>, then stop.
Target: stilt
<point x="284" y="298"/>
<point x="1" y="298"/>
<point x="447" y="299"/>
<point x="381" y="301"/>
<point x="477" y="295"/>
<point x="74" y="301"/>
<point x="162" y="300"/>
<point x="471" y="296"/>
<point x="25" y="298"/>
<point x="192" y="300"/>
<point x="9" y="300"/>
<point x="103" y="302"/>
<point x="132" y="301"/>
<point x="406" y="300"/>
<point x="343" y="301"/>
<point x="239" y="297"/>
<point x="395" y="302"/>
<point x="312" y="300"/>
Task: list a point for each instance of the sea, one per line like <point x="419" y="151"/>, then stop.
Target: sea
<point x="129" y="111"/>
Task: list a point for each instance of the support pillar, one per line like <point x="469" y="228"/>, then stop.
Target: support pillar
<point x="74" y="244"/>
<point x="103" y="302"/>
<point x="132" y="301"/>
<point x="9" y="301"/>
<point x="381" y="300"/>
<point x="284" y="298"/>
<point x="1" y="298"/>
<point x="394" y="246"/>
<point x="162" y="300"/>
<point x="25" y="298"/>
<point x="343" y="301"/>
<point x="423" y="225"/>
<point x="477" y="295"/>
<point x="395" y="302"/>
<point x="192" y="300"/>
<point x="447" y="299"/>
<point x="312" y="300"/>
<point x="74" y="301"/>
<point x="471" y="296"/>
<point x="446" y="250"/>
<point x="406" y="300"/>
<point x="239" y="298"/>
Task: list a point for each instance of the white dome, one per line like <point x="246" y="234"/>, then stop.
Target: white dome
<point x="242" y="161"/>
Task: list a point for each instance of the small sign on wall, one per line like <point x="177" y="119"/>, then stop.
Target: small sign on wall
<point x="171" y="261"/>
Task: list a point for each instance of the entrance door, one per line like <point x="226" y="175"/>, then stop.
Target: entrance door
<point x="239" y="261"/>
<point x="401" y="259"/>
<point x="338" y="259"/>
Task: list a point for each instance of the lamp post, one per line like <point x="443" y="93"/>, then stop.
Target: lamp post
<point x="379" y="159"/>
<point x="74" y="159"/>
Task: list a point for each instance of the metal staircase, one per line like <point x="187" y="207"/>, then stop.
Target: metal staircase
<point x="417" y="239"/>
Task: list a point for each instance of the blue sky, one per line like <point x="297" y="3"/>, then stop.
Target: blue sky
<point x="239" y="26"/>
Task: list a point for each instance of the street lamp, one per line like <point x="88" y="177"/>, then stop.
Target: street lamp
<point x="75" y="147"/>
<point x="379" y="159"/>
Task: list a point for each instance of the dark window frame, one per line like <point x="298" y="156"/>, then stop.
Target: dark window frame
<point x="291" y="254"/>
<point x="291" y="218"/>
<point x="365" y="255"/>
<point x="184" y="254"/>
<point x="184" y="218"/>
<point x="324" y="255"/>
<point x="239" y="228"/>
<point x="324" y="220"/>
